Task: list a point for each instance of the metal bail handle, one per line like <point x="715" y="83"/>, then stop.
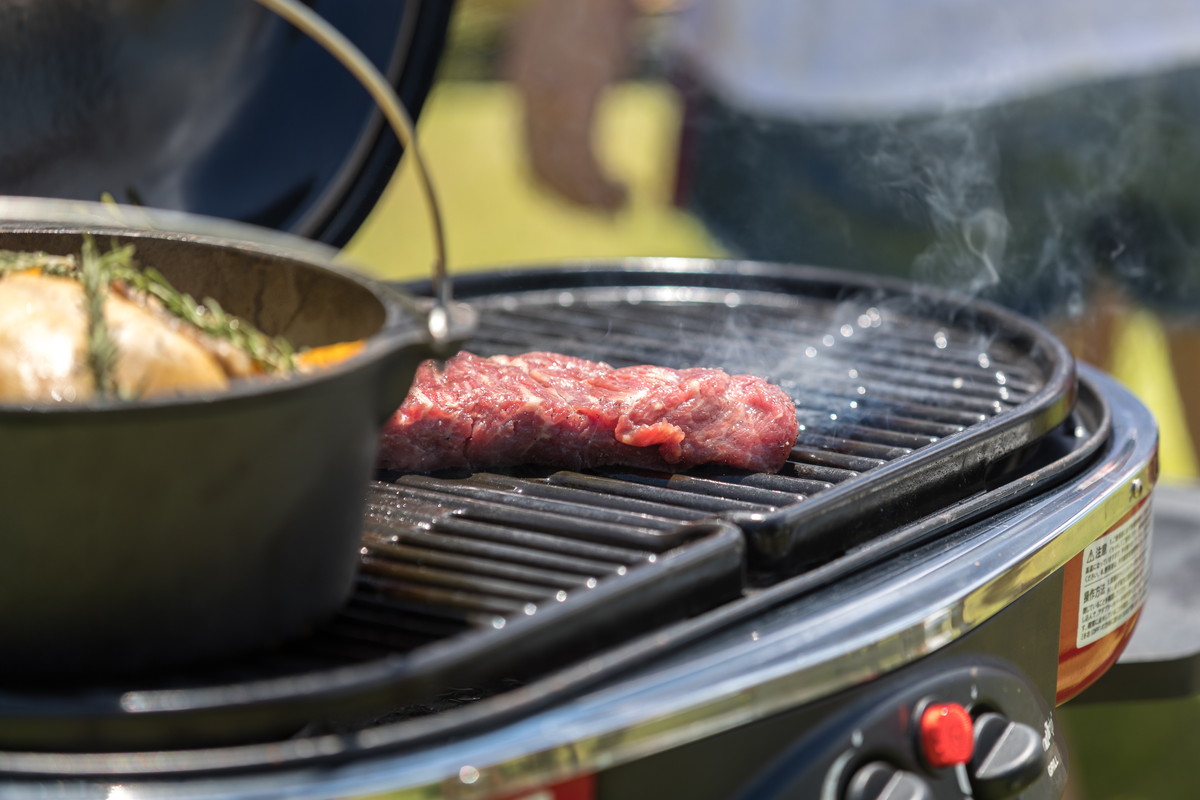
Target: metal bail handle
<point x="315" y="27"/>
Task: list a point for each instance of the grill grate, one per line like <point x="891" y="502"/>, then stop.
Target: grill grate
<point x="461" y="584"/>
<point x="905" y="402"/>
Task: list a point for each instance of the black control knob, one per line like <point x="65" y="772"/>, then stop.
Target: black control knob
<point x="881" y="781"/>
<point x="1009" y="756"/>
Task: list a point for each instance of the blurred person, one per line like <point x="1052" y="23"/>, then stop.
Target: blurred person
<point x="1044" y="154"/>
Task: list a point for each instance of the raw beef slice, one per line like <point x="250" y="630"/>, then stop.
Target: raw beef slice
<point x="560" y="411"/>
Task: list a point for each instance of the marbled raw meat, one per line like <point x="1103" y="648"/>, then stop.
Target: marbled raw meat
<point x="560" y="411"/>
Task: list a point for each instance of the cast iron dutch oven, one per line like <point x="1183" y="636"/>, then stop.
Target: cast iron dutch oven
<point x="152" y="533"/>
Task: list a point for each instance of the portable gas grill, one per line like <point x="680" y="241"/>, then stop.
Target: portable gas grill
<point x="606" y="630"/>
<point x="957" y="543"/>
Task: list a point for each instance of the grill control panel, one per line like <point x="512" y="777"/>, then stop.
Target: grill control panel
<point x="968" y="731"/>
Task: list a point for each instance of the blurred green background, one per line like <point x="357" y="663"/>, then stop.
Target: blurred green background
<point x="495" y="216"/>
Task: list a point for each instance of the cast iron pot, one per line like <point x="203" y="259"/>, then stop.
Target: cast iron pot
<point x="165" y="532"/>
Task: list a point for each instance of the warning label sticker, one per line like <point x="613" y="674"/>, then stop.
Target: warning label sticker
<point x="1112" y="584"/>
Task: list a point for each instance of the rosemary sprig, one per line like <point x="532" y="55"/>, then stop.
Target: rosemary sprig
<point x="95" y="273"/>
<point x="270" y="353"/>
<point x="118" y="266"/>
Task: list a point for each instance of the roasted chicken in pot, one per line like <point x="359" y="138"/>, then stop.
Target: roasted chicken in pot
<point x="76" y="329"/>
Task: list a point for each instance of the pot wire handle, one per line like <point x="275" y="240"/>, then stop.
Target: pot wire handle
<point x="347" y="53"/>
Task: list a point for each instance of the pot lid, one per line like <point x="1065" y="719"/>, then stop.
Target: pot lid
<point x="213" y="107"/>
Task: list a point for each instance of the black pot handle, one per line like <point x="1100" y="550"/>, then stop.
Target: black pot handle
<point x="440" y="324"/>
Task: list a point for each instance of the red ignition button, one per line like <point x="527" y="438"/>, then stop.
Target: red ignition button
<point x="947" y="735"/>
